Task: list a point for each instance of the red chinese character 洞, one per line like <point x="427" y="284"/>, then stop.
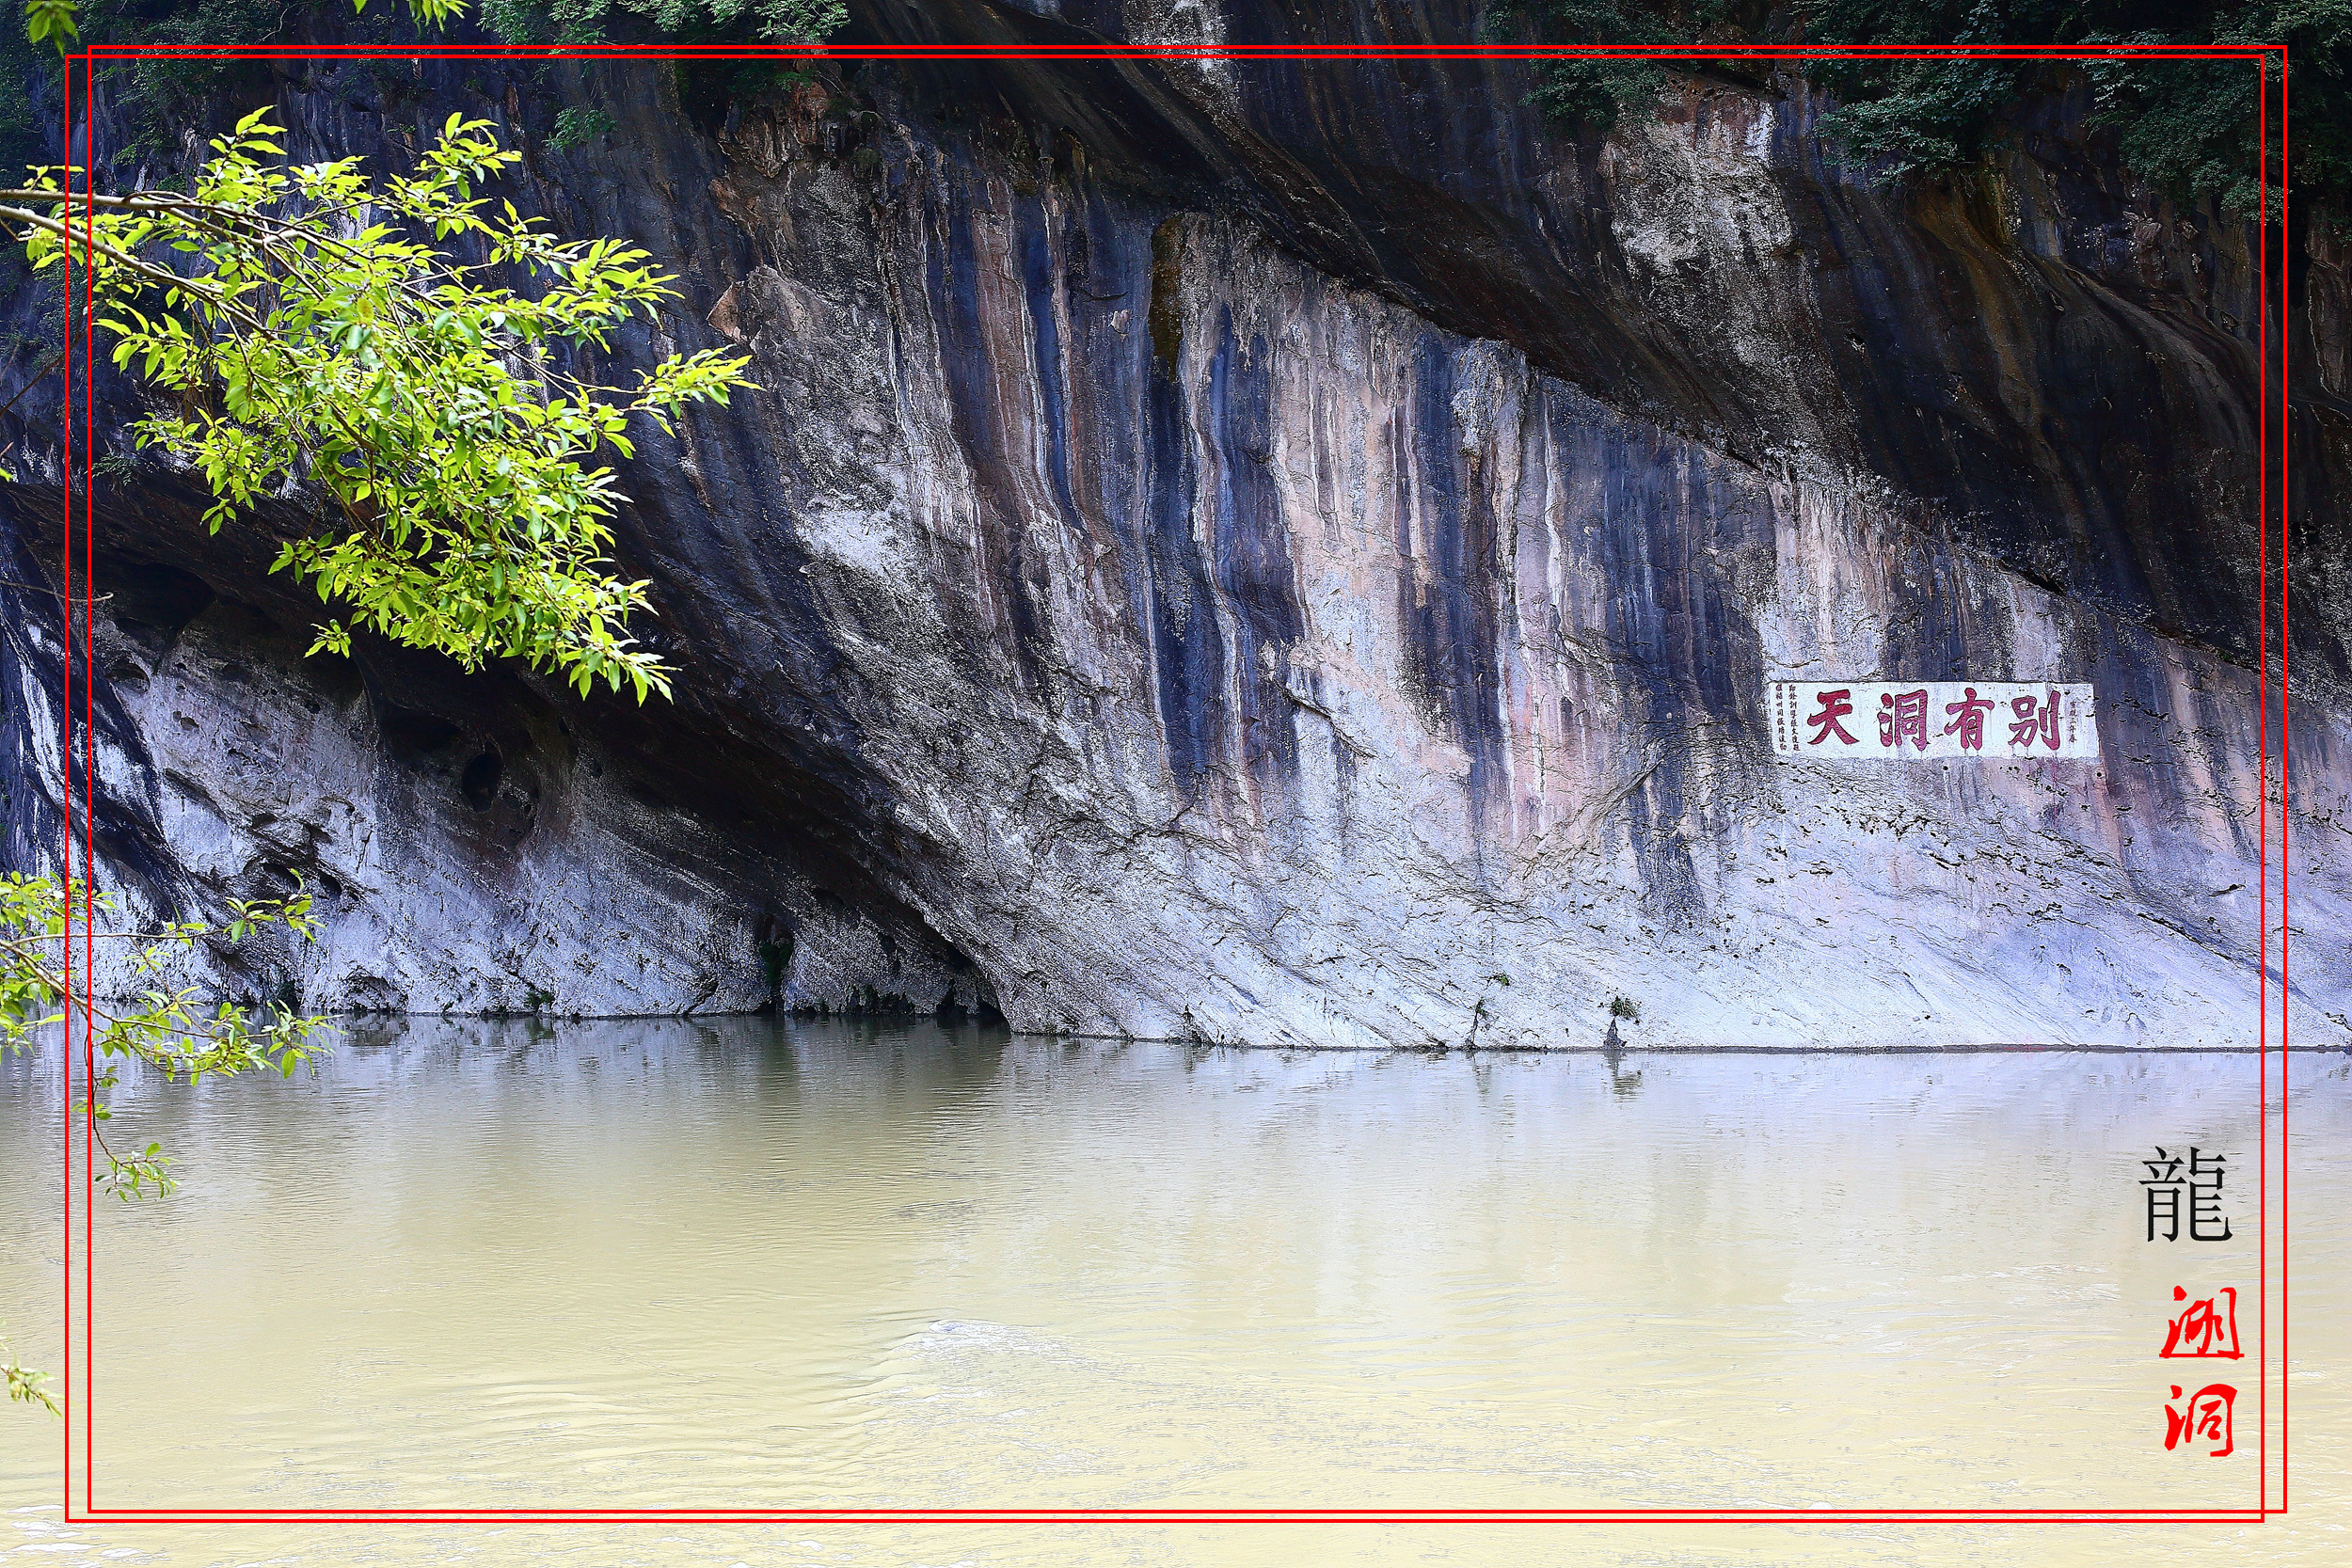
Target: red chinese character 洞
<point x="2208" y="1327"/>
<point x="2036" y="719"/>
<point x="2203" y="1418"/>
<point x="1835" y="706"/>
<point x="1969" y="723"/>
<point x="1904" y="717"/>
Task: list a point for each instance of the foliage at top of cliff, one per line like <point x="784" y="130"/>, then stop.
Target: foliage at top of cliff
<point x="683" y="21"/>
<point x="2188" y="126"/>
<point x="161" y="91"/>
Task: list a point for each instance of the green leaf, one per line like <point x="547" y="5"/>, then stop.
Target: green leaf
<point x="52" y="20"/>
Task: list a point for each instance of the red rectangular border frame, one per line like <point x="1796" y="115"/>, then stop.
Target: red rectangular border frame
<point x="79" y="1192"/>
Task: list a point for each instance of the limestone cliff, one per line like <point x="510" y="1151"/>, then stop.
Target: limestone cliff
<point x="1287" y="552"/>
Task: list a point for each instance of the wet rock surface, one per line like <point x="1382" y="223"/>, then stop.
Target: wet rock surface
<point x="1291" y="554"/>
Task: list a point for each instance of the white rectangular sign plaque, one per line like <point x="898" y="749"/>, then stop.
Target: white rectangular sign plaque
<point x="1889" y="721"/>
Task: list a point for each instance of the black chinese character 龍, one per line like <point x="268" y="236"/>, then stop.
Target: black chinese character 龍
<point x="2198" y="1178"/>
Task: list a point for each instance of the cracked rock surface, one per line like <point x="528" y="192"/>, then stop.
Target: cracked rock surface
<point x="1245" y="555"/>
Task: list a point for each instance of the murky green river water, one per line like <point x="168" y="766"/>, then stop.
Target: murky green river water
<point x="745" y="1264"/>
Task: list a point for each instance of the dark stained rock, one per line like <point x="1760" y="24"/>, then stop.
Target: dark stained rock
<point x="1280" y="553"/>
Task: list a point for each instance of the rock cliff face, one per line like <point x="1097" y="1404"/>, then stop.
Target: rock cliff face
<point x="1292" y="553"/>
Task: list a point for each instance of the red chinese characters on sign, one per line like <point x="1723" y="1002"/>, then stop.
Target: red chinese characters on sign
<point x="1968" y="719"/>
<point x="1903" y="716"/>
<point x="2036" y="719"/>
<point x="2203" y="1328"/>
<point x="1931" y="722"/>
<point x="2203" y="1418"/>
<point x="1835" y="706"/>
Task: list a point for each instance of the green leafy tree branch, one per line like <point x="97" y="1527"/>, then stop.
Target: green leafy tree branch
<point x="419" y="395"/>
<point x="25" y="1385"/>
<point x="180" y="1033"/>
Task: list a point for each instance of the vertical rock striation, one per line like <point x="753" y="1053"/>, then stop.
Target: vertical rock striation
<point x="1286" y="553"/>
